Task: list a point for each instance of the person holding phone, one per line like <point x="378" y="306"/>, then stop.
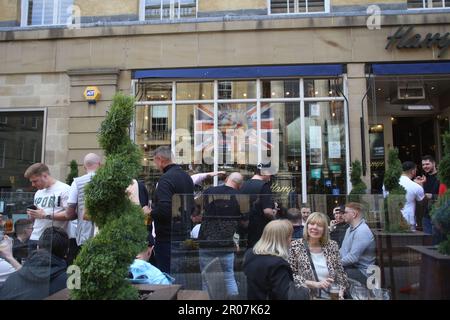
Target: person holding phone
<point x="50" y="202"/>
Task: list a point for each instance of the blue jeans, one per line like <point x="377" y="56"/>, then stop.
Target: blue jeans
<point x="226" y="261"/>
<point x="162" y="255"/>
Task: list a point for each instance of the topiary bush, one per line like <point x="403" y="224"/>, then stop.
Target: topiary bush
<point x="104" y="259"/>
<point x="358" y="186"/>
<point x="394" y="221"/>
<point x="441" y="210"/>
<point x="73" y="172"/>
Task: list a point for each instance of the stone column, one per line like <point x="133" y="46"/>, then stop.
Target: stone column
<point x="357" y="87"/>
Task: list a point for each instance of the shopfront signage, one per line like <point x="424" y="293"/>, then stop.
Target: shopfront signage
<point x="404" y="38"/>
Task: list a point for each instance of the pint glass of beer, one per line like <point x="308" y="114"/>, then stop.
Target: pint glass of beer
<point x="334" y="292"/>
<point x="9" y="226"/>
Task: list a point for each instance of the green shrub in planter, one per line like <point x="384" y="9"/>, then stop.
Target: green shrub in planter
<point x="394" y="221"/>
<point x="358" y="186"/>
<point x="73" y="172"/>
<point x="104" y="260"/>
<point x="441" y="211"/>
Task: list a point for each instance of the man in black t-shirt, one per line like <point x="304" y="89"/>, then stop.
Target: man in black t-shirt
<point x="431" y="189"/>
<point x="220" y="222"/>
<point x="261" y="203"/>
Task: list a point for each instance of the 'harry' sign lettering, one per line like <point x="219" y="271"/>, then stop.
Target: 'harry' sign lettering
<point x="405" y="40"/>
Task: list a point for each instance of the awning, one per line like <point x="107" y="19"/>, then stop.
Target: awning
<point x="382" y="69"/>
<point x="242" y="72"/>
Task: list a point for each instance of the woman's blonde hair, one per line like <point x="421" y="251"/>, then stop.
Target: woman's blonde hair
<point x="321" y="220"/>
<point x="275" y="240"/>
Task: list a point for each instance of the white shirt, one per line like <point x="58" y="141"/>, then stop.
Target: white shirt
<point x="195" y="231"/>
<point x="414" y="192"/>
<point x="5" y="270"/>
<point x="320" y="264"/>
<point x="198" y="178"/>
<point x="48" y="200"/>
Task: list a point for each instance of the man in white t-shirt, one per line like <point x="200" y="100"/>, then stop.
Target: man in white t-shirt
<point x="414" y="191"/>
<point x="50" y="200"/>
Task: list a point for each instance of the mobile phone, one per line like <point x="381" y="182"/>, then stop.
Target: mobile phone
<point x="32" y="207"/>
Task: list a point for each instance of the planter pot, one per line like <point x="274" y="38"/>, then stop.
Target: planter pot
<point x="434" y="274"/>
<point x="392" y="251"/>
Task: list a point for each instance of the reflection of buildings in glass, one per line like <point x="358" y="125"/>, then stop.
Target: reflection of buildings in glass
<point x="20" y="146"/>
<point x="237" y="124"/>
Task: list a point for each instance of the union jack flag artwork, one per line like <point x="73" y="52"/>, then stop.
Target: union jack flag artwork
<point x="233" y="121"/>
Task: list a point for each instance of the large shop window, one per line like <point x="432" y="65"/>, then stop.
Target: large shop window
<point x="428" y="4"/>
<point x="46" y="12"/>
<point x="167" y="9"/>
<point x="295" y="126"/>
<point x="21" y="138"/>
<point x="298" y="6"/>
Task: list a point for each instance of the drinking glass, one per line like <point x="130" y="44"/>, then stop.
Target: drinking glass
<point x="334" y="292"/>
<point x="380" y="294"/>
<point x="359" y="293"/>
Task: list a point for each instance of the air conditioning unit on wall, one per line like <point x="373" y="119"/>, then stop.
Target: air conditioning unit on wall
<point x="407" y="94"/>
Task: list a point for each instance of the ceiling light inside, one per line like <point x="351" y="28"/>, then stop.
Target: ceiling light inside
<point x="419" y="107"/>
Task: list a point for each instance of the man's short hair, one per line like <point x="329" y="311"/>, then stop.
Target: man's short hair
<point x="429" y="158"/>
<point x="294" y="215"/>
<point x="355" y="206"/>
<point x="55" y="240"/>
<point x="236" y="177"/>
<point x="21" y="225"/>
<point x="36" y="169"/>
<point x="164" y="152"/>
<point x="408" y="166"/>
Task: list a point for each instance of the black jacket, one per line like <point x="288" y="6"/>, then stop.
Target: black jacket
<point x="41" y="276"/>
<point x="173" y="181"/>
<point x="221" y="217"/>
<point x="270" y="278"/>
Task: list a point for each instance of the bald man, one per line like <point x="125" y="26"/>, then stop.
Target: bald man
<point x="75" y="210"/>
<point x="220" y="221"/>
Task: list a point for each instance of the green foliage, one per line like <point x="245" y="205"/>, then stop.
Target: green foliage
<point x="73" y="172"/>
<point x="358" y="186"/>
<point x="104" y="260"/>
<point x="393" y="173"/>
<point x="394" y="221"/>
<point x="441" y="210"/>
<point x="444" y="165"/>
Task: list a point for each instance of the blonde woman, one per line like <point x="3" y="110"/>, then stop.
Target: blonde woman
<point x="315" y="260"/>
<point x="269" y="276"/>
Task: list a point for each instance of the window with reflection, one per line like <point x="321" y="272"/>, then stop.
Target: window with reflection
<point x="237" y="89"/>
<point x="21" y="135"/>
<point x="237" y="139"/>
<point x="428" y="4"/>
<point x="298" y="6"/>
<point x="194" y="145"/>
<point x="47" y="12"/>
<point x="155" y="91"/>
<point x="323" y="87"/>
<point x="195" y="90"/>
<point x="250" y="129"/>
<point x="280" y="88"/>
<point x="325" y="147"/>
<point x="170" y="9"/>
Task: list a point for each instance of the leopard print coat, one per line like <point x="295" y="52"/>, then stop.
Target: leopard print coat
<point x="301" y="266"/>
